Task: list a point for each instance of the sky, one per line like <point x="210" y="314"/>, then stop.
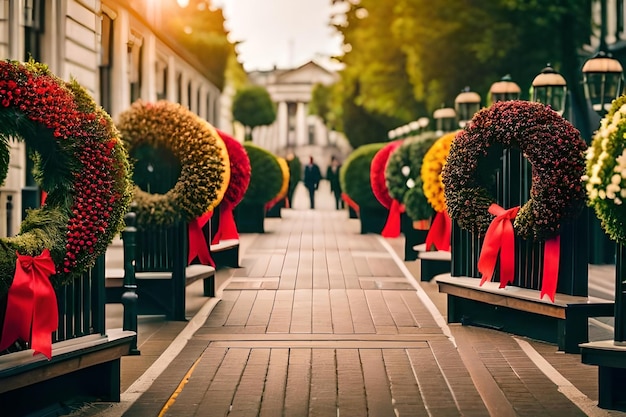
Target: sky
<point x="281" y="33"/>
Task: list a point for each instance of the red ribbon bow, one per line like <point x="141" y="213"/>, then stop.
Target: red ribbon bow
<point x="32" y="312"/>
<point x="198" y="246"/>
<point x="440" y="232"/>
<point x="227" y="228"/>
<point x="551" y="259"/>
<point x="499" y="239"/>
<point x="392" y="226"/>
<point x="350" y="202"/>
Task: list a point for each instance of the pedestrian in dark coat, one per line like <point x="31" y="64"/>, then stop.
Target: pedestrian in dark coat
<point x="312" y="177"/>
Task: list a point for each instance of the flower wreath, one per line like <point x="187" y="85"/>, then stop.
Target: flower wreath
<point x="282" y="193"/>
<point x="203" y="157"/>
<point x="381" y="192"/>
<point x="82" y="165"/>
<point x="440" y="231"/>
<point x="377" y="173"/>
<point x="606" y="171"/>
<point x="79" y="161"/>
<point x="354" y="177"/>
<point x="432" y="165"/>
<point x="237" y="186"/>
<point x="548" y="141"/>
<point x="403" y="175"/>
<point x="266" y="179"/>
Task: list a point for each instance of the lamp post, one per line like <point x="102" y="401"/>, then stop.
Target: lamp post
<point x="505" y="89"/>
<point x="445" y="120"/>
<point x="550" y="88"/>
<point x="466" y="104"/>
<point x="602" y="81"/>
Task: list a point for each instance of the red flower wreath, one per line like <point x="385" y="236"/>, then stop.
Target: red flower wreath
<point x="239" y="179"/>
<point x="81" y="164"/>
<point x="79" y="161"/>
<point x="381" y="192"/>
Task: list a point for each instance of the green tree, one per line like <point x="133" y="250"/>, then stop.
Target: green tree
<point x="376" y="93"/>
<point x="199" y="28"/>
<point x="409" y="57"/>
<point x="252" y="107"/>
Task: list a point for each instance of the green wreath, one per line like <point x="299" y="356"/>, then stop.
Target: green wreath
<point x="403" y="175"/>
<point x="266" y="178"/>
<point x="606" y="172"/>
<point x="168" y="132"/>
<point x="79" y="161"/>
<point x="549" y="142"/>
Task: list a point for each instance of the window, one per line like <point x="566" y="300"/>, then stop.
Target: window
<point x="135" y="64"/>
<point x="106" y="62"/>
<point x="33" y="29"/>
<point x="161" y="80"/>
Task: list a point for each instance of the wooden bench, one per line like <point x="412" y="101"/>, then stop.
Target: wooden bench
<point x="85" y="359"/>
<point x="432" y="263"/>
<point x="520" y="311"/>
<point x="161" y="272"/>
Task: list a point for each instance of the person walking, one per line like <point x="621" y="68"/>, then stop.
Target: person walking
<point x="332" y="175"/>
<point x="312" y="177"/>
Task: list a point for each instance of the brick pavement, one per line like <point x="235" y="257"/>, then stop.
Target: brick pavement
<point x="323" y="321"/>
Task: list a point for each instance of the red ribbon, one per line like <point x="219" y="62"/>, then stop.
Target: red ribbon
<point x="227" y="228"/>
<point x="392" y="226"/>
<point x="350" y="202"/>
<point x="440" y="231"/>
<point x="551" y="256"/>
<point x="32" y="312"/>
<point x="198" y="246"/>
<point x="500" y="238"/>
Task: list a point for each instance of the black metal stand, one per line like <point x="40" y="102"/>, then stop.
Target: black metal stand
<point x="129" y="298"/>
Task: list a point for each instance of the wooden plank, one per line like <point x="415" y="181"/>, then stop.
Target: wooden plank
<point x="298" y="383"/>
<point x="275" y="384"/>
<point x="341" y="312"/>
<point x="361" y="316"/>
<point x="323" y="384"/>
<point x="301" y="315"/>
<point x="280" y="318"/>
<point x="351" y="398"/>
<point x="378" y="395"/>
<point x="322" y="318"/>
<point x="80" y="356"/>
<point x="512" y="297"/>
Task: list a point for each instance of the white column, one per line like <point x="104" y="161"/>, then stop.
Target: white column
<point x="301" y="127"/>
<point x="282" y="122"/>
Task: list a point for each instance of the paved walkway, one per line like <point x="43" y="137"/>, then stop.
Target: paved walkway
<point x="323" y="321"/>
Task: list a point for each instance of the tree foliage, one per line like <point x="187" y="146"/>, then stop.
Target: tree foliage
<point x="405" y="59"/>
<point x="252" y="107"/>
<point x="199" y="28"/>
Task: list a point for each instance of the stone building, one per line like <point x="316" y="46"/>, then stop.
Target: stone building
<point x="116" y="50"/>
<point x="294" y="128"/>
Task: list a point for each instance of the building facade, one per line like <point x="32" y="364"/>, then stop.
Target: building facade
<point x="116" y="50"/>
<point x="291" y="90"/>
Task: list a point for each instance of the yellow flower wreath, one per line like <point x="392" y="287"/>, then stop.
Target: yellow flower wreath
<point x="433" y="163"/>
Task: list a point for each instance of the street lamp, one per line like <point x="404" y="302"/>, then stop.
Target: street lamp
<point x="550" y="88"/>
<point x="445" y="120"/>
<point x="423" y="123"/>
<point x="504" y="90"/>
<point x="466" y="104"/>
<point x="602" y="81"/>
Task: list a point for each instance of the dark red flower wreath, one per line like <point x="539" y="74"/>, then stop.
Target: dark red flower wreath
<point x="555" y="151"/>
<point x="239" y="180"/>
<point x="548" y="141"/>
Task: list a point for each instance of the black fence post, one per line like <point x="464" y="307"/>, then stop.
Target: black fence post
<point x="9" y="207"/>
<point x="129" y="298"/>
